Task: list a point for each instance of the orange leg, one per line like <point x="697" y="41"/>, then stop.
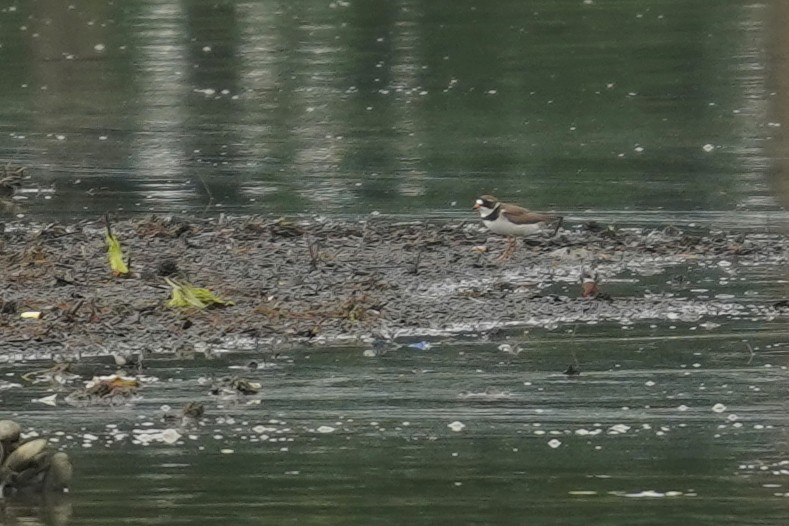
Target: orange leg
<point x="509" y="250"/>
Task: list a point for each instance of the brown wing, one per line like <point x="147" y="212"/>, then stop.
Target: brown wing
<point x="521" y="216"/>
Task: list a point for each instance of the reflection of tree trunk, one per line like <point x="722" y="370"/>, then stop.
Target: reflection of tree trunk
<point x="778" y="53"/>
<point x="213" y="53"/>
<point x="778" y="69"/>
<point x="67" y="82"/>
<point x="77" y="80"/>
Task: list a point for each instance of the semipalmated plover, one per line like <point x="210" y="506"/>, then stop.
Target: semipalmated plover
<point x="512" y="220"/>
<point x="589" y="286"/>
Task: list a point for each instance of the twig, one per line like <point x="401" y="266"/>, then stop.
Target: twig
<point x="107" y="223"/>
<point x="417" y="259"/>
<point x="363" y="240"/>
<point x="313" y="246"/>
<point x="572" y="346"/>
<point x="419" y="248"/>
<point x="73" y="311"/>
<point x="208" y="192"/>
<point x="750" y="350"/>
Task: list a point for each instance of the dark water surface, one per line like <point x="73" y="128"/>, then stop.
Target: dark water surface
<point x="400" y="107"/>
<point x="633" y="112"/>
<point x="653" y="430"/>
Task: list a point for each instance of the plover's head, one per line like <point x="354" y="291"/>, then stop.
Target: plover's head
<point x="485" y="204"/>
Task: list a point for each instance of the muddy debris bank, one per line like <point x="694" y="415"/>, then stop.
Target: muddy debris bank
<point x="326" y="281"/>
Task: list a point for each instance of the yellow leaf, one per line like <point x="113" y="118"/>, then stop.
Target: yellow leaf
<point x="186" y="295"/>
<point x="115" y="255"/>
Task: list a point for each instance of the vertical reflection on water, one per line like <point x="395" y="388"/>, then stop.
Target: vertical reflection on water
<point x="410" y="172"/>
<point x="211" y="133"/>
<point x="750" y="124"/>
<point x="350" y="104"/>
<point x="320" y="109"/>
<point x="69" y="94"/>
<point x="777" y="40"/>
<point x="293" y="94"/>
<point x="398" y="106"/>
<point x="258" y="66"/>
<point x="158" y="153"/>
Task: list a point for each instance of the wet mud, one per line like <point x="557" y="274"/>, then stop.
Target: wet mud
<point x="327" y="281"/>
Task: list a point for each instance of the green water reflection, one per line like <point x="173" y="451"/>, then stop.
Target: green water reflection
<point x="396" y="106"/>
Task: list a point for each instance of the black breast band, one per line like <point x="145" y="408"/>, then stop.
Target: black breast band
<point x="494" y="214"/>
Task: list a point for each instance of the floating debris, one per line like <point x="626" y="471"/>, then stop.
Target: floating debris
<point x="193" y="410"/>
<point x="508" y="348"/>
<point x="232" y="385"/>
<point x="131" y="360"/>
<point x="148" y="436"/>
<point x="456" y="426"/>
<point x="47" y="400"/>
<point x="490" y="393"/>
<point x="105" y="390"/>
<point x="253" y="365"/>
<point x="11" y="179"/>
<point x="188" y="415"/>
<point x="170" y="436"/>
<point x="650" y="494"/>
<point x="58" y="374"/>
<point x="618" y="429"/>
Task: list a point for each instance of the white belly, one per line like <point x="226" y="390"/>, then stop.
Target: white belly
<point x="505" y="228"/>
